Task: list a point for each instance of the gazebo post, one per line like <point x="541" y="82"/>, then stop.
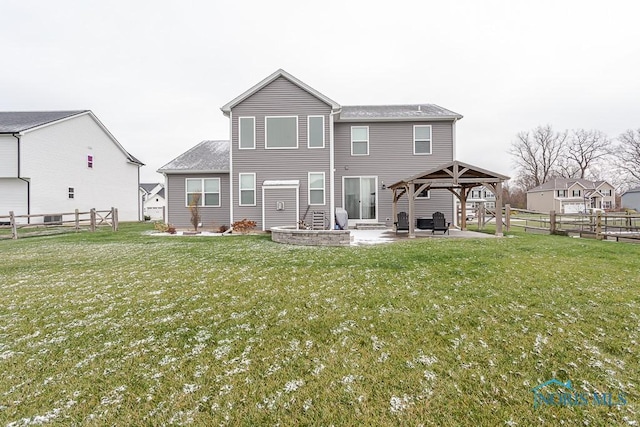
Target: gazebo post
<point x="499" y="209"/>
<point x="412" y="212"/>
<point x="394" y="207"/>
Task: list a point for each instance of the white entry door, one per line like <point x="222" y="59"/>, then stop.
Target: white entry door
<point x="360" y="198"/>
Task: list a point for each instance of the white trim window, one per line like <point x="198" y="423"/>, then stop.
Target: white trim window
<point x="206" y="191"/>
<point x="421" y="139"/>
<point x="315" y="131"/>
<point x="246" y="133"/>
<point x="316" y="188"/>
<point x="359" y="140"/>
<point x="247" y="184"/>
<point x="424" y="194"/>
<point x="281" y="132"/>
<point x="562" y="193"/>
<point x="575" y="193"/>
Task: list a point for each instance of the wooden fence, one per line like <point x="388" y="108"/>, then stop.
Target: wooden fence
<point x="620" y="226"/>
<point x="44" y="224"/>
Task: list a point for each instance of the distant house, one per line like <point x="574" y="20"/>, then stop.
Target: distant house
<point x="59" y="161"/>
<point x="152" y="199"/>
<point x="481" y="195"/>
<point x="294" y="153"/>
<point x="571" y="196"/>
<point x="631" y="199"/>
<point x="201" y="171"/>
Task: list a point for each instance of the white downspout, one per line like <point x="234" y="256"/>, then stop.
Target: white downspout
<point x="332" y="172"/>
<point x="230" y="168"/>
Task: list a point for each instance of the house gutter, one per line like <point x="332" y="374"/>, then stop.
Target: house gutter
<point x="332" y="170"/>
<point x="17" y="137"/>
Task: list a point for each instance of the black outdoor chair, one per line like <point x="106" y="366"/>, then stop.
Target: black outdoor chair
<point x="439" y="223"/>
<point x="402" y="224"/>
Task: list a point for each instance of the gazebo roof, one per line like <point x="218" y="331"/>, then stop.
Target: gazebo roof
<point x="455" y="174"/>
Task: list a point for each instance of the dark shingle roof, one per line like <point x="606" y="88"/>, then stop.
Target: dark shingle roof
<point x="207" y="156"/>
<point x="564" y="183"/>
<point x="396" y="112"/>
<point x="18" y="121"/>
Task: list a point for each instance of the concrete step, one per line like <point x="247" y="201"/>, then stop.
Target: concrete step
<point x="370" y="226"/>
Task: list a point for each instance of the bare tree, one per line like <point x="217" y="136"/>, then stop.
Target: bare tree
<point x="627" y="155"/>
<point x="581" y="153"/>
<point x="537" y="155"/>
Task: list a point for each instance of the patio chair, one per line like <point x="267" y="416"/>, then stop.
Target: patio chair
<point x="402" y="224"/>
<point x="439" y="223"/>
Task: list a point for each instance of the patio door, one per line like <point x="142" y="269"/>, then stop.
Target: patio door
<point x="360" y="198"/>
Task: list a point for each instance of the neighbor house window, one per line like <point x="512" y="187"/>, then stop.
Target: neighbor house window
<point x="606" y="192"/>
<point x="316" y="188"/>
<point x="575" y="193"/>
<point x="422" y="139"/>
<point x="562" y="193"/>
<point x="281" y="132"/>
<point x="315" y="131"/>
<point x="203" y="192"/>
<point x="359" y="140"/>
<point x="247" y="189"/>
<point x="246" y="133"/>
<point x="606" y="204"/>
<point x="424" y="194"/>
<point x="475" y="194"/>
<point x="71" y="192"/>
<point x="90" y="161"/>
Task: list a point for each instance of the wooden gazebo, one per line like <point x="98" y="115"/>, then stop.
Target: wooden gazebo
<point x="458" y="178"/>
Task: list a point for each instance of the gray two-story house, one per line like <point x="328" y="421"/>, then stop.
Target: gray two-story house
<point x="292" y="152"/>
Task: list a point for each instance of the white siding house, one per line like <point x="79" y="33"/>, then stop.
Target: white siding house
<point x="59" y="161"/>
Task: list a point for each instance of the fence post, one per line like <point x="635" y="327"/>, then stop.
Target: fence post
<point x="599" y="235"/>
<point x="552" y="222"/>
<point x="481" y="214"/>
<point x="92" y="215"/>
<point x="14" y="229"/>
<point x="114" y="219"/>
<point x="77" y="220"/>
<point x="507" y="216"/>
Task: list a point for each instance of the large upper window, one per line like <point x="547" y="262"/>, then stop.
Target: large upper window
<point x="316" y="188"/>
<point x="422" y="139"/>
<point x="281" y="132"/>
<point x="359" y="140"/>
<point x="562" y="193"/>
<point x="315" y="131"/>
<point x="203" y="192"/>
<point x="246" y="133"/>
<point x="247" y="189"/>
<point x="575" y="193"/>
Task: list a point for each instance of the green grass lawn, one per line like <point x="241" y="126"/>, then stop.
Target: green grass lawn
<point x="126" y="328"/>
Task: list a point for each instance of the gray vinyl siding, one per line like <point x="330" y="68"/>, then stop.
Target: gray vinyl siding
<point x="391" y="159"/>
<point x="631" y="200"/>
<point x="279" y="98"/>
<point x="178" y="213"/>
<point x="274" y="217"/>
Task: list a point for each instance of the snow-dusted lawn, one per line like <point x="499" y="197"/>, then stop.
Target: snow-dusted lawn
<point x="128" y="328"/>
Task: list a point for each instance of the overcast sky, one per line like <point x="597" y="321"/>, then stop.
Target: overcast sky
<point x="157" y="72"/>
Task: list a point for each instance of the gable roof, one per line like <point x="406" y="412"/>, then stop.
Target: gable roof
<point x="226" y="108"/>
<point x="20" y="121"/>
<point x="453" y="174"/>
<point x="205" y="157"/>
<point x="565" y="183"/>
<point x="395" y="112"/>
<point x="149" y="187"/>
<point x="12" y="122"/>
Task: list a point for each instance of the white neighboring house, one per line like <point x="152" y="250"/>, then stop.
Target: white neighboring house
<point x="153" y="200"/>
<point x="58" y="161"/>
